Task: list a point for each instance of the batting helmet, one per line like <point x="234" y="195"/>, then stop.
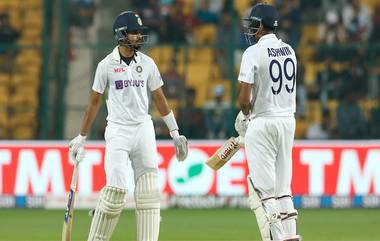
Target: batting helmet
<point x="261" y="13"/>
<point x="129" y="22"/>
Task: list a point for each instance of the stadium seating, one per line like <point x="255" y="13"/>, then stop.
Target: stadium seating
<point x="25" y="97"/>
<point x="204" y="55"/>
<point x="216" y="72"/>
<point x="241" y="6"/>
<point x="188" y="7"/>
<point x="21" y="80"/>
<point x="311" y="71"/>
<point x="205" y="34"/>
<point x="371" y="4"/>
<point x="198" y="64"/>
<point x="301" y="130"/>
<point x="227" y="89"/>
<point x="23" y="133"/>
<point x="309" y="34"/>
<point x="305" y="53"/>
<point x="198" y="76"/>
<point x="314" y="111"/>
<point x="4" y="79"/>
<point x="366" y="105"/>
<point x="162" y="54"/>
<point x="333" y="106"/>
<point x="3" y="124"/>
<point x="4" y="96"/>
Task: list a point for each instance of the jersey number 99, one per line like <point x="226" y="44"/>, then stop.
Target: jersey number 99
<point x="278" y="76"/>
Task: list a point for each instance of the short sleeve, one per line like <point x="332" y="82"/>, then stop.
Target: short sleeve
<point x="247" y="68"/>
<point x="155" y="79"/>
<point x="100" y="80"/>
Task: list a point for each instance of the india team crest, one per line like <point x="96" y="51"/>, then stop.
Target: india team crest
<point x="139" y="20"/>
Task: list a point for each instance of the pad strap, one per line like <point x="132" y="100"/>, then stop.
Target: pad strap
<point x="293" y="215"/>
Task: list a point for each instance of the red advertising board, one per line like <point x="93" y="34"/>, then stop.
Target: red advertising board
<point x="319" y="168"/>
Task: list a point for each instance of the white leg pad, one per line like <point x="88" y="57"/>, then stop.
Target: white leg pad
<point x="107" y="213"/>
<point x="269" y="221"/>
<point x="273" y="212"/>
<point x="288" y="215"/>
<point x="147" y="198"/>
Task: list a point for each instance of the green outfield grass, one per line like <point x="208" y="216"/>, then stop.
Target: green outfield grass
<point x="194" y="225"/>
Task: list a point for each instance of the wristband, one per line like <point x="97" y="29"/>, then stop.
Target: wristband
<point x="174" y="134"/>
<point x="170" y="121"/>
<point x="82" y="137"/>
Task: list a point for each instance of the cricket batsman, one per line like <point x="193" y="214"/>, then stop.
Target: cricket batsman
<point x="128" y="76"/>
<point x="267" y="98"/>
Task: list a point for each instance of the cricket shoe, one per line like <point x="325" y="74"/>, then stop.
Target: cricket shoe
<point x="293" y="238"/>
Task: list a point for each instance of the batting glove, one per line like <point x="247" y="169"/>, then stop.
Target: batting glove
<point x="81" y="153"/>
<point x="241" y="123"/>
<point x="76" y="147"/>
<point x="180" y="145"/>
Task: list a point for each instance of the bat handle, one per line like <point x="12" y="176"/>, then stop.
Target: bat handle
<point x="74" y="177"/>
<point x="240" y="140"/>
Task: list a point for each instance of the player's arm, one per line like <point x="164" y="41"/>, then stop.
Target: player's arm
<point x="246" y="80"/>
<point x="180" y="141"/>
<point x="160" y="102"/>
<point x="224" y="153"/>
<point x="166" y="113"/>
<point x="91" y="111"/>
<point x="76" y="146"/>
<point x="244" y="97"/>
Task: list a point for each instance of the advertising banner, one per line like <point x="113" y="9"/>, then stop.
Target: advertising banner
<point x="335" y="168"/>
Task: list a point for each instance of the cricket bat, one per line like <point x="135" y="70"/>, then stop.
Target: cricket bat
<point x="68" y="222"/>
<point x="224" y="153"/>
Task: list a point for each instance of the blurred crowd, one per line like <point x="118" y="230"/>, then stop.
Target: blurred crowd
<point x="338" y="71"/>
<point x="337" y="43"/>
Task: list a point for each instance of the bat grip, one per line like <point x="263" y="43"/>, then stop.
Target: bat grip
<point x="240" y="140"/>
<point x="74" y="177"/>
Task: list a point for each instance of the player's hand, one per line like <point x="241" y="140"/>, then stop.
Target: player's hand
<point x="76" y="147"/>
<point x="180" y="145"/>
<point x="81" y="153"/>
<point x="241" y="124"/>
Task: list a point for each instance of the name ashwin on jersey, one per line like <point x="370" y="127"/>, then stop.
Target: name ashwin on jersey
<point x="284" y="51"/>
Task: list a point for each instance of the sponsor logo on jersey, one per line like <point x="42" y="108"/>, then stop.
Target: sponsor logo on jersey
<point x="120" y="84"/>
<point x="118" y="70"/>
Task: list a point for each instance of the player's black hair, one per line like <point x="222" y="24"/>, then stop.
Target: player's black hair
<point x="268" y="28"/>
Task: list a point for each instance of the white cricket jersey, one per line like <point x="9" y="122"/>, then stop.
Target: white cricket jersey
<point x="128" y="86"/>
<point x="270" y="65"/>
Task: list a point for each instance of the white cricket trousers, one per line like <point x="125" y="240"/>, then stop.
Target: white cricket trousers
<point x="135" y="143"/>
<point x="268" y="145"/>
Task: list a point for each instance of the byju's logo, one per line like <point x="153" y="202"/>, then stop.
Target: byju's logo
<point x="119" y="84"/>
